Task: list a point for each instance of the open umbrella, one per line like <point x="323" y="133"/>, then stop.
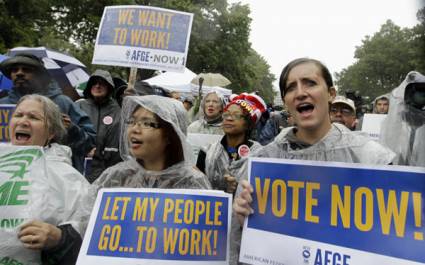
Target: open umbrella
<point x="5" y="83"/>
<point x="65" y="69"/>
<point x="210" y="80"/>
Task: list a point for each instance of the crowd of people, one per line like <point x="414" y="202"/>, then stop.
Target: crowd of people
<point x="137" y="138"/>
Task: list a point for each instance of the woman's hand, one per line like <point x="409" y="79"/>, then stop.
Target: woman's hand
<point x="242" y="206"/>
<point x="39" y="235"/>
<point x="231" y="183"/>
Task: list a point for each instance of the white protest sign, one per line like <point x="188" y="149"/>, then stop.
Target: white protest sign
<point x="19" y="167"/>
<point x="372" y="124"/>
<point x="200" y="141"/>
<point x="143" y="37"/>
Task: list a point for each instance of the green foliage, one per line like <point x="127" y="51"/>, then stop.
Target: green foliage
<point x="384" y="60"/>
<point x="219" y="39"/>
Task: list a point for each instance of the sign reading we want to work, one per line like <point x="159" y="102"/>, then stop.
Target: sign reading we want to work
<point x="142" y="226"/>
<point x="143" y="37"/>
<point x="324" y="213"/>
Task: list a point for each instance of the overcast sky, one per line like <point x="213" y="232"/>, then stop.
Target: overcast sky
<point x="328" y="30"/>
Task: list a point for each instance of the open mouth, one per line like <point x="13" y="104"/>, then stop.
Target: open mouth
<point x="305" y="108"/>
<point x="135" y="142"/>
<point x="22" y="136"/>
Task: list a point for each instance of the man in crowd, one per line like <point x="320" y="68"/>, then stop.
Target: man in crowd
<point x="381" y="104"/>
<point x="343" y="111"/>
<point x="104" y="112"/>
<point x="29" y="76"/>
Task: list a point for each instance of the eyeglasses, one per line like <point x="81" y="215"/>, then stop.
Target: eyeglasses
<point x="344" y="111"/>
<point x="233" y="116"/>
<point x="142" y="123"/>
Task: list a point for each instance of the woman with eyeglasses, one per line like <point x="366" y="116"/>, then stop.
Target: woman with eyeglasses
<point x="225" y="160"/>
<point x="154" y="148"/>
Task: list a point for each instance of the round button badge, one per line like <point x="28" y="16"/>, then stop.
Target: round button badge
<point x="243" y="150"/>
<point x="107" y="120"/>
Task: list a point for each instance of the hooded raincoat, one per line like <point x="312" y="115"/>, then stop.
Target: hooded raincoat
<point x="218" y="163"/>
<point x="132" y="174"/>
<point x="105" y="116"/>
<point x="61" y="197"/>
<point x="339" y="145"/>
<point x="205" y="126"/>
<point x="403" y="130"/>
<point x="384" y="96"/>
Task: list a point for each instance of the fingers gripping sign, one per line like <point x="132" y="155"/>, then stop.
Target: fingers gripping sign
<point x="39" y="235"/>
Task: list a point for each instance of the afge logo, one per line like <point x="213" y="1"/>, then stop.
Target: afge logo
<point x="327" y="257"/>
<point x="306" y="254"/>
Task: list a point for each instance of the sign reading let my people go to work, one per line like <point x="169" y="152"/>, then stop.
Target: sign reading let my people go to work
<point x="145" y="226"/>
<point x="143" y="37"/>
<point x="323" y="213"/>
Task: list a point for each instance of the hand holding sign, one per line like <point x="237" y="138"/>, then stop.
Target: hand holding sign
<point x="242" y="203"/>
<point x="39" y="235"/>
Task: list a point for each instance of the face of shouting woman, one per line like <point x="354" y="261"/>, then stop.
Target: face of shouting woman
<point x="307" y="98"/>
<point x="28" y="125"/>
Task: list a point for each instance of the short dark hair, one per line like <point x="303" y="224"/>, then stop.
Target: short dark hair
<point x="285" y="73"/>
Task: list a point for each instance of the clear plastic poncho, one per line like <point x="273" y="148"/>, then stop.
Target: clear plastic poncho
<point x="54" y="193"/>
<point x="132" y="174"/>
<point x="403" y="130"/>
<point x="339" y="145"/>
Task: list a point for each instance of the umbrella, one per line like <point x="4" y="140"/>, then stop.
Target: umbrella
<point x="5" y="83"/>
<point x="65" y="69"/>
<point x="210" y="80"/>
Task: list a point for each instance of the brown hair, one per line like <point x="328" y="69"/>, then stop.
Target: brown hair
<point x="287" y="69"/>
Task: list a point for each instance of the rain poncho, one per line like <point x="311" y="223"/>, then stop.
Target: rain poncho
<point x="339" y="145"/>
<point x="384" y="96"/>
<point x="131" y="173"/>
<point x="218" y="163"/>
<point x="60" y="197"/>
<point x="403" y="130"/>
<point x="203" y="125"/>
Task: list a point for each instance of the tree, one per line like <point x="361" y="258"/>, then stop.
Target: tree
<point x="383" y="60"/>
<point x="218" y="43"/>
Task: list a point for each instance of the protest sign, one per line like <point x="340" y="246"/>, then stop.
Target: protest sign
<point x="146" y="226"/>
<point x="143" y="37"/>
<point x="19" y="167"/>
<point x="6" y="111"/>
<point x="320" y="213"/>
<point x="372" y="124"/>
<point x="200" y="141"/>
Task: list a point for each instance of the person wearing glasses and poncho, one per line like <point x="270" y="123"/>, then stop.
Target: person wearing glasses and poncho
<point x="224" y="161"/>
<point x="154" y="148"/>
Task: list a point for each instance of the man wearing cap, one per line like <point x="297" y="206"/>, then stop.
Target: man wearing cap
<point x="29" y="76"/>
<point x="343" y="111"/>
<point x="104" y="113"/>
